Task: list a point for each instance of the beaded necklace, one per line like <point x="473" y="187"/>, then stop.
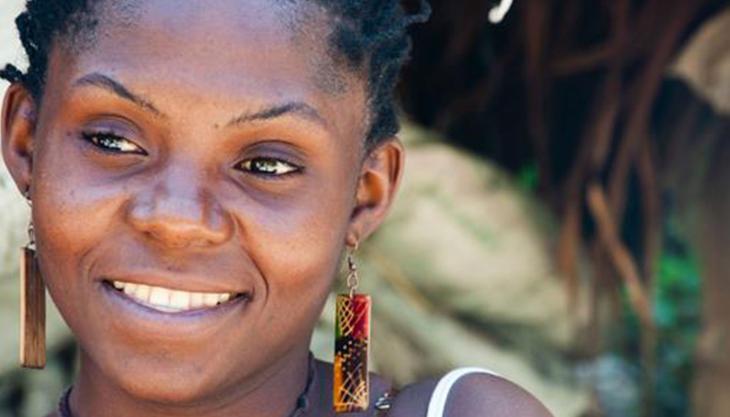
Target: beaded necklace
<point x="64" y="406"/>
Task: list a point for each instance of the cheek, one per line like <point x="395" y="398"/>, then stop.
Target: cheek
<point x="71" y="214"/>
<point x="296" y="243"/>
<point x="67" y="193"/>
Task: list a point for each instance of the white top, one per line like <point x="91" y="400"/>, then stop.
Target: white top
<point x="437" y="405"/>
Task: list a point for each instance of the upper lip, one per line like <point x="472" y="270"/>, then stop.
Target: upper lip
<point x="180" y="282"/>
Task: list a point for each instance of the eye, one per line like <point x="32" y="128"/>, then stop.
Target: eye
<point x="111" y="142"/>
<point x="268" y="166"/>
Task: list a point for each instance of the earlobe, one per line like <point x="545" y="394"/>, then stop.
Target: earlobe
<point x="379" y="181"/>
<point x="18" y="126"/>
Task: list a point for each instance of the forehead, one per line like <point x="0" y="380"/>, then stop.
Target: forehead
<point x="257" y="50"/>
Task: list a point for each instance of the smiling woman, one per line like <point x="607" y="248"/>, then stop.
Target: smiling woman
<point x="197" y="171"/>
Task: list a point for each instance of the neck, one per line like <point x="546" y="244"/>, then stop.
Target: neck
<point x="272" y="392"/>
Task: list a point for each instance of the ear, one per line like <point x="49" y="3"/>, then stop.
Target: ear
<point x="379" y="180"/>
<point x="18" y="125"/>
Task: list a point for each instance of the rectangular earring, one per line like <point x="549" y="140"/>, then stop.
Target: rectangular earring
<point x="32" y="312"/>
<point x="32" y="305"/>
<point x="351" y="382"/>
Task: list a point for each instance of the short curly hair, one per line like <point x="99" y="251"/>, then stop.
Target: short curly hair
<point x="370" y="34"/>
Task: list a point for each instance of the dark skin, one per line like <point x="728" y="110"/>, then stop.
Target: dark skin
<point x="144" y="164"/>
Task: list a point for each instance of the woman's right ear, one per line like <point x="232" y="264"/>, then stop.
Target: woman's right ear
<point x="18" y="126"/>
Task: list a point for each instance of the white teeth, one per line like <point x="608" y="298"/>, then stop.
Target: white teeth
<point x="159" y="297"/>
<point x="130" y="289"/>
<point x="180" y="299"/>
<point x="143" y="292"/>
<point x="210" y="299"/>
<point x="168" y="300"/>
<point x="196" y="300"/>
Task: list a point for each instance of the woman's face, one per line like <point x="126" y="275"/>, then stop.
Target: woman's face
<point x="189" y="152"/>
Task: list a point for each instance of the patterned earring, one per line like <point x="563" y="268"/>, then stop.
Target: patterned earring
<point x="32" y="304"/>
<point x="351" y="382"/>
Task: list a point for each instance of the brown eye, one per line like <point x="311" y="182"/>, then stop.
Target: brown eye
<point x="113" y="143"/>
<point x="268" y="166"/>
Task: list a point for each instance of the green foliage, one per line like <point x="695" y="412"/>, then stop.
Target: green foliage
<point x="677" y="311"/>
<point x="677" y="316"/>
<point x="527" y="177"/>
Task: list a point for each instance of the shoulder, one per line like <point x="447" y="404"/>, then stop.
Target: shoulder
<point x="472" y="395"/>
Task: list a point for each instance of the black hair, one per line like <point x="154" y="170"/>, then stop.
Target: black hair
<point x="371" y="35"/>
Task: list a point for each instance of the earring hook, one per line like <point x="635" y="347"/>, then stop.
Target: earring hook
<point x="353" y="279"/>
<point x="31" y="229"/>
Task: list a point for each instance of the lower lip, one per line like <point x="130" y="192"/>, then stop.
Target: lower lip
<point x="193" y="317"/>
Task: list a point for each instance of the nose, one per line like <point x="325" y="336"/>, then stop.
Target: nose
<point x="178" y="212"/>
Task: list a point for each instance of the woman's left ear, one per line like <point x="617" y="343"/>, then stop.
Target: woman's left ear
<point x="377" y="186"/>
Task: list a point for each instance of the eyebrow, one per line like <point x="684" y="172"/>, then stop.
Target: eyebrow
<point x="298" y="108"/>
<point x="103" y="81"/>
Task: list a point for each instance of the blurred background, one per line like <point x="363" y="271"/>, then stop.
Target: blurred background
<point x="563" y="218"/>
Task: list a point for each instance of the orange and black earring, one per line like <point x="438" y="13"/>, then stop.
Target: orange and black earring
<point x="32" y="305"/>
<point x="351" y="383"/>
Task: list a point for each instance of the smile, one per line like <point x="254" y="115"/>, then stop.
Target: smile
<point x="168" y="300"/>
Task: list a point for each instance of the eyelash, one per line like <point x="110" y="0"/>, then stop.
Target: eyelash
<point x="104" y="140"/>
<point x="292" y="169"/>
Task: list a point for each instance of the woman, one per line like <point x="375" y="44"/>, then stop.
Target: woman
<point x="196" y="171"/>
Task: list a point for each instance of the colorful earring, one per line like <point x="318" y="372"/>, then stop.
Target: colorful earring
<point x="32" y="305"/>
<point x="351" y="382"/>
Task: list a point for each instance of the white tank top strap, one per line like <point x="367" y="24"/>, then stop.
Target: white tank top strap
<point x="437" y="404"/>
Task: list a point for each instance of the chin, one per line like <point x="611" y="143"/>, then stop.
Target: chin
<point x="170" y="383"/>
